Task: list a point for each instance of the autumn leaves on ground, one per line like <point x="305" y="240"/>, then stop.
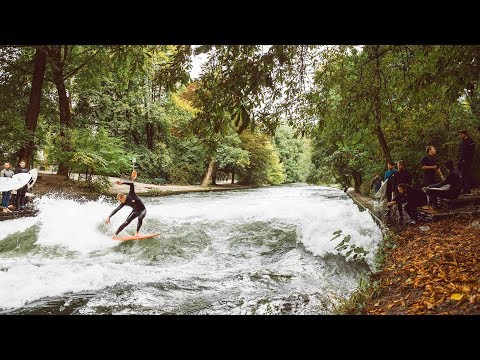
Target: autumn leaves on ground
<point x="431" y="271"/>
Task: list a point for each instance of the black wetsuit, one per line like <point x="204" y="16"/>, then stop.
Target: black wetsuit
<point x="376" y="183"/>
<point x="400" y="177"/>
<point x="136" y="204"/>
<point x="466" y="151"/>
<point x="21" y="193"/>
<point x="429" y="174"/>
<point x="453" y="179"/>
<point x="412" y="198"/>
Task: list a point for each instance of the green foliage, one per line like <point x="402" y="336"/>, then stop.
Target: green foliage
<point x="352" y="251"/>
<point x="101" y="184"/>
<point x="92" y="152"/>
<point x="402" y="95"/>
<point x="366" y="105"/>
<point x="105" y="153"/>
<point x="356" y="302"/>
<point x="13" y="99"/>
<point x="152" y="164"/>
<point x="230" y="156"/>
<point x="264" y="167"/>
<point x="294" y="154"/>
<point x="189" y="158"/>
<point x="276" y="173"/>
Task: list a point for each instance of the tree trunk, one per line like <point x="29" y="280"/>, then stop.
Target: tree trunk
<point x="233" y="176"/>
<point x="383" y="143"/>
<point x="63" y="104"/>
<point x="357" y="179"/>
<point x="214" y="175"/>
<point x="378" y="111"/>
<point x="26" y="152"/>
<point x="150" y="135"/>
<point x="208" y="175"/>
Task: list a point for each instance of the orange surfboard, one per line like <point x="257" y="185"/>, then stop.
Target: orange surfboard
<point x="131" y="237"/>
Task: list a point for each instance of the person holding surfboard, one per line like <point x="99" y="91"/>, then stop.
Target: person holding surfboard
<point x="388" y="178"/>
<point x="20" y="198"/>
<point x="135" y="203"/>
<point x="6" y="172"/>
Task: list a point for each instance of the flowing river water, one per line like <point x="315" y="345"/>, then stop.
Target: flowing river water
<point x="258" y="251"/>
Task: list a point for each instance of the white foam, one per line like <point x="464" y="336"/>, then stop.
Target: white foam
<point x="9" y="227"/>
<point x="74" y="225"/>
<point x="78" y="226"/>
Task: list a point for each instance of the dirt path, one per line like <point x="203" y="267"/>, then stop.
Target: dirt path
<point x="48" y="183"/>
<point x="158" y="190"/>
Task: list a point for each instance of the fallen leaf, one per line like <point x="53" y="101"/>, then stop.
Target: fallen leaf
<point x="456" y="296"/>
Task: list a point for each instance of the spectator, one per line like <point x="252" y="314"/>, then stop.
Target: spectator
<point x="6" y="172"/>
<point x="450" y="188"/>
<point x="376" y="182"/>
<point x="412" y="198"/>
<point x="20" y="198"/>
<point x="388" y="178"/>
<point x="402" y="176"/>
<point x="429" y="167"/>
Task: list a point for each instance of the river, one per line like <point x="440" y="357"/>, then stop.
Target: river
<point x="257" y="251"/>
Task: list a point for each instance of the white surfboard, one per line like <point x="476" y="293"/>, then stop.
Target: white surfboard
<point x="15" y="182"/>
<point x="382" y="191"/>
<point x="31" y="182"/>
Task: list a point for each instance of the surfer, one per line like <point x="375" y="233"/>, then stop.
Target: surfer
<point x="6" y="172"/>
<point x="135" y="203"/>
<point x="20" y="198"/>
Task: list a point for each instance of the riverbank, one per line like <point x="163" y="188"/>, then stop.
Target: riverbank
<point x="428" y="268"/>
<point x="56" y="184"/>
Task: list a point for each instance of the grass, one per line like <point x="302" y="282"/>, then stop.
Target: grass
<point x="367" y="287"/>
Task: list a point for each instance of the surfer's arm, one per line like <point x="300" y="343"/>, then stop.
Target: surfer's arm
<point x="115" y="211"/>
<point x="132" y="186"/>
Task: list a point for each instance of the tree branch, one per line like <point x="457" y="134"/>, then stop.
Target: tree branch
<point x="74" y="71"/>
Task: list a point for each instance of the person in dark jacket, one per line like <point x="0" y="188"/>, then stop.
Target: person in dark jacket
<point x="20" y="197"/>
<point x="466" y="151"/>
<point x="412" y="198"/>
<point x="376" y="183"/>
<point x="132" y="200"/>
<point x="430" y="167"/>
<point x="402" y="176"/>
<point x="388" y="178"/>
<point x="450" y="188"/>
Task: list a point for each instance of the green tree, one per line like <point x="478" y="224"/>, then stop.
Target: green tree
<point x="264" y="166"/>
<point x="294" y="154"/>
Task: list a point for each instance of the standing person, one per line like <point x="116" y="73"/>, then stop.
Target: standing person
<point x="132" y="200"/>
<point x="20" y="198"/>
<point x="6" y="172"/>
<point x="412" y="198"/>
<point x="466" y="150"/>
<point x="450" y="188"/>
<point x="402" y="176"/>
<point x="429" y="167"/>
<point x="388" y="178"/>
<point x="376" y="182"/>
